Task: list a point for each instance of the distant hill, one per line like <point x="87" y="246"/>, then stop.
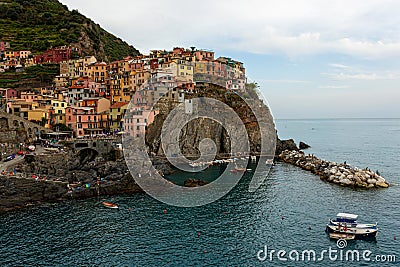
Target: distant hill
<point x="37" y="25"/>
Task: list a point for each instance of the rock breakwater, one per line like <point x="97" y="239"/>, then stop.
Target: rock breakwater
<point x="341" y="174"/>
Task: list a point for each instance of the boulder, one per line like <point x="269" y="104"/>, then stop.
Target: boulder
<point x="371" y="181"/>
<point x="382" y="184"/>
<point x="346" y="182"/>
<point x="282" y="145"/>
<point x="303" y="145"/>
<point x="194" y="182"/>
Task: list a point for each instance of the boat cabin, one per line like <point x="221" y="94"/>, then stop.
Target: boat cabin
<point x="346" y="218"/>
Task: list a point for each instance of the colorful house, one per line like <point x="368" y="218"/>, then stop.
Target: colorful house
<point x="86" y="121"/>
<point x="57" y="55"/>
<point x="137" y="120"/>
<point x="117" y="112"/>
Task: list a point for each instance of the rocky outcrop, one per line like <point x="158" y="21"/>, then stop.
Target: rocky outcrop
<point x="282" y="145"/>
<point x="341" y="174"/>
<point x="55" y="177"/>
<point x="16" y="192"/>
<point x="196" y="130"/>
<point x="303" y="145"/>
<point x="194" y="182"/>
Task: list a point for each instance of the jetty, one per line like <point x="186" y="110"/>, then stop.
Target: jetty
<point x="332" y="172"/>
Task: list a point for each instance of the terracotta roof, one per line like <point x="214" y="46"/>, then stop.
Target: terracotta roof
<point x="119" y="104"/>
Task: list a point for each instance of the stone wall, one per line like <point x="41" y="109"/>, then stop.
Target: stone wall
<point x="14" y="129"/>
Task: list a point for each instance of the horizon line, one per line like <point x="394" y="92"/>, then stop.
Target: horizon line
<point x="342" y="118"/>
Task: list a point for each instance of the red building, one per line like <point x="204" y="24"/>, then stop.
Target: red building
<point x="4" y="46"/>
<point x="154" y="63"/>
<point x="56" y="55"/>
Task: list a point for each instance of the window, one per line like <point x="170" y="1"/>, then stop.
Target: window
<point x="138" y="127"/>
<point x="138" y="120"/>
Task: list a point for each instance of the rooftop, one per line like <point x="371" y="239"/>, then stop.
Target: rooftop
<point x="119" y="104"/>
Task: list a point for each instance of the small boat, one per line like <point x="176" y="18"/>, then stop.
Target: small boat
<point x="342" y="236"/>
<point x="346" y="223"/>
<point x="237" y="169"/>
<point x="110" y="205"/>
<point x="269" y="162"/>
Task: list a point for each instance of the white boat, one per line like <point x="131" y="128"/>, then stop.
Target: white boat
<point x="346" y="223"/>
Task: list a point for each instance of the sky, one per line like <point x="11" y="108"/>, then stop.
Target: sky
<point x="311" y="58"/>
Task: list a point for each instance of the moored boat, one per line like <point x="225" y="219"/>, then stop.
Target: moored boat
<point x="346" y="223"/>
<point x="237" y="169"/>
<point x="342" y="236"/>
<point x="110" y="205"/>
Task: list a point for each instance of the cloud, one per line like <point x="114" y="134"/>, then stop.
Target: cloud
<point x="367" y="29"/>
<point x="343" y="72"/>
<point x="333" y="86"/>
<point x="283" y="81"/>
<point x="368" y="76"/>
<point x="339" y="66"/>
<point x="365" y="76"/>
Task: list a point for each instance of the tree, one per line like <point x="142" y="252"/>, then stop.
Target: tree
<point x="62" y="127"/>
<point x="43" y="122"/>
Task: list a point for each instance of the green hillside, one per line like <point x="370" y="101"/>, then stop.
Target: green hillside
<point x="37" y="25"/>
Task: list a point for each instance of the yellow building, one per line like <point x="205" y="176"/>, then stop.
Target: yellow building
<point x="182" y="69"/>
<point x="61" y="81"/>
<point x="138" y="77"/>
<point x="9" y="54"/>
<point x="78" y="67"/>
<point x="97" y="72"/>
<point x="59" y="110"/>
<point x="200" y="67"/>
<point x="37" y="115"/>
<point x="117" y="112"/>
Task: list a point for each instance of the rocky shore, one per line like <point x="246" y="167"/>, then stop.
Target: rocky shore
<point x="332" y="172"/>
<point x="69" y="175"/>
<point x="63" y="176"/>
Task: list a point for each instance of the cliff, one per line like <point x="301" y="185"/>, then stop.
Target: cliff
<point x="196" y="130"/>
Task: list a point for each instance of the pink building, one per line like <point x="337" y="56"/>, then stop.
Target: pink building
<point x="4" y="46"/>
<point x="137" y="120"/>
<point x="8" y="93"/>
<point x="30" y="96"/>
<point x="83" y="121"/>
<point x="201" y="55"/>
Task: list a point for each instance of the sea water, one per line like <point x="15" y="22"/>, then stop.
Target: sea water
<point x="288" y="212"/>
